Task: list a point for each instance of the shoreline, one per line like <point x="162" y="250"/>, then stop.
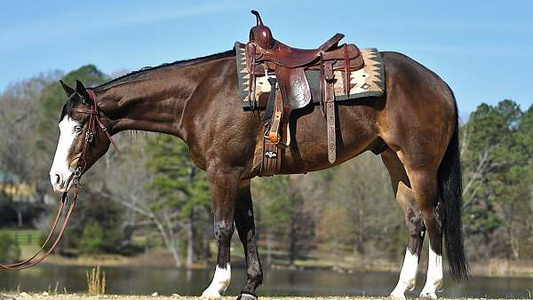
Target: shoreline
<point x="492" y="268"/>
<point x="158" y="258"/>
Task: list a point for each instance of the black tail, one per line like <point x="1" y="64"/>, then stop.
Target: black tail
<point x="450" y="194"/>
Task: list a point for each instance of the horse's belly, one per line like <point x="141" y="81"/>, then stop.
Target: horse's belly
<point x="308" y="150"/>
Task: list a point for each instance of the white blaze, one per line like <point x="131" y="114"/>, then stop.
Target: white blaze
<point x="220" y="283"/>
<point x="60" y="172"/>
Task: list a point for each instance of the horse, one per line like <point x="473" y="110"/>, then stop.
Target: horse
<point x="413" y="126"/>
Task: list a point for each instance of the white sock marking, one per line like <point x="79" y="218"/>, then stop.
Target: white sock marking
<point x="407" y="276"/>
<point x="220" y="283"/>
<point x="434" y="275"/>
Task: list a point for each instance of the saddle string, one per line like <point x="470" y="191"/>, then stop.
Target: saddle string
<point x="64" y="201"/>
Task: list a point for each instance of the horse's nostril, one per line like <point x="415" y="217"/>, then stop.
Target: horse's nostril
<point x="58" y="179"/>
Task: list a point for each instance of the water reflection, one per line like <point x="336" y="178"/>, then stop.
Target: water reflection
<point x="165" y="281"/>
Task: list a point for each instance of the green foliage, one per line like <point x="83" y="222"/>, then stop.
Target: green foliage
<point x="497" y="159"/>
<point x="284" y="214"/>
<point x="95" y="227"/>
<point x="92" y="239"/>
<point x="276" y="200"/>
<point x="177" y="181"/>
<point x="10" y="248"/>
<point x="181" y="190"/>
<point x="345" y="211"/>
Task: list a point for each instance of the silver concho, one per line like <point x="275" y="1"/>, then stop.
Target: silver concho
<point x="271" y="154"/>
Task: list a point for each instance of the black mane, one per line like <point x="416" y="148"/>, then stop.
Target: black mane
<point x="134" y="74"/>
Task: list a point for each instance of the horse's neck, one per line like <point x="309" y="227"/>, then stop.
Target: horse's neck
<point x="154" y="103"/>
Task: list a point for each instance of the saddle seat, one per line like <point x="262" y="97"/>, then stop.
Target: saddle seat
<point x="290" y="57"/>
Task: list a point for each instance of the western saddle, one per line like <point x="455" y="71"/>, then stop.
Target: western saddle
<point x="266" y="56"/>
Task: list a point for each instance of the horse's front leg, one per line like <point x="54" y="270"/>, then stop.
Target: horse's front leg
<point x="244" y="220"/>
<point x="224" y="183"/>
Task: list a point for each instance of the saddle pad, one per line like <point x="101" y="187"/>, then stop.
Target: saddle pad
<point x="366" y="82"/>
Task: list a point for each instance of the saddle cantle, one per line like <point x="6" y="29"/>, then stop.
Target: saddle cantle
<point x="266" y="56"/>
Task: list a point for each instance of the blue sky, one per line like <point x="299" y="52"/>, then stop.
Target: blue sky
<point x="483" y="49"/>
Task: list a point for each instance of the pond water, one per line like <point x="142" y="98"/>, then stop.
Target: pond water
<point x="166" y="281"/>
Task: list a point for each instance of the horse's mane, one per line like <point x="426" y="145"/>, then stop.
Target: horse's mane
<point x="181" y="63"/>
<point x="69" y="104"/>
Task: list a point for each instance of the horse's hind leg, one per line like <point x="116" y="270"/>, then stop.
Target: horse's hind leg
<point x="244" y="221"/>
<point x="422" y="171"/>
<point x="413" y="219"/>
<point x="424" y="182"/>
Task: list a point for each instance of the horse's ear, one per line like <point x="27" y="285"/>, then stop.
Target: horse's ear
<point x="68" y="90"/>
<point x="82" y="91"/>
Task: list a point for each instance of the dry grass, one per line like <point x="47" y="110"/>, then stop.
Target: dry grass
<point x="96" y="282"/>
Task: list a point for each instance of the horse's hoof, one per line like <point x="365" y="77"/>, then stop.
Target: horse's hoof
<point x="2" y="297"/>
<point x="247" y="296"/>
<point x="427" y="296"/>
<point x="396" y="297"/>
<point x="208" y="295"/>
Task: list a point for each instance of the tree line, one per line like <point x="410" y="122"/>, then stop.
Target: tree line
<point x="151" y="194"/>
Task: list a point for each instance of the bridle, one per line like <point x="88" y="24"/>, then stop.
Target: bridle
<point x="94" y="119"/>
<point x="64" y="203"/>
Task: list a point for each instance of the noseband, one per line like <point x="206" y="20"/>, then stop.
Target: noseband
<point x="64" y="203"/>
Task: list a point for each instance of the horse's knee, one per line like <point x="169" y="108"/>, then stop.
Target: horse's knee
<point x="223" y="231"/>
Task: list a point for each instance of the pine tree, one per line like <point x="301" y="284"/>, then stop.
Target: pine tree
<point x="181" y="188"/>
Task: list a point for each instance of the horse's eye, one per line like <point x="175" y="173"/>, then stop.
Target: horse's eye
<point x="77" y="129"/>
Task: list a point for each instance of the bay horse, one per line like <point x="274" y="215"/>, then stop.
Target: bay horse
<point x="413" y="127"/>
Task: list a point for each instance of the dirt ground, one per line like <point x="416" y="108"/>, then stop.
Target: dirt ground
<point x="26" y="296"/>
<point x="30" y="296"/>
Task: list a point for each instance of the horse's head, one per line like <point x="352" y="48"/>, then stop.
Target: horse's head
<point x="82" y="139"/>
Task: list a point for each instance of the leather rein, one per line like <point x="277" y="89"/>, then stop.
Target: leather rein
<point x="65" y="206"/>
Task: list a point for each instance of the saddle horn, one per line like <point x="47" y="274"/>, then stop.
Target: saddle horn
<point x="261" y="34"/>
<point x="257" y="16"/>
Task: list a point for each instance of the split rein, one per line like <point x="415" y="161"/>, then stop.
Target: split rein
<point x="64" y="203"/>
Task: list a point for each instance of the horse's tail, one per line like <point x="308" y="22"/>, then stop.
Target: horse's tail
<point x="450" y="194"/>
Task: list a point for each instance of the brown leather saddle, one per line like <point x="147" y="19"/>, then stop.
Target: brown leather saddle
<point x="266" y="56"/>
